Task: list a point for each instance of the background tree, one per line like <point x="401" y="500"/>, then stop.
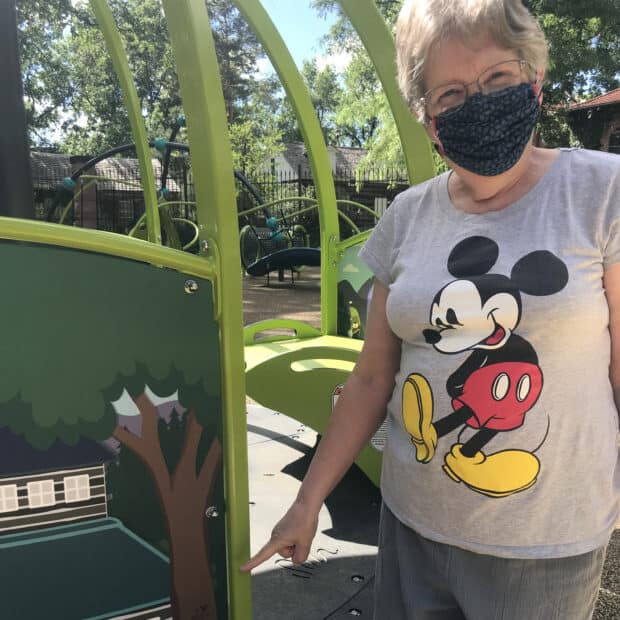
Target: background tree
<point x="363" y="118"/>
<point x="73" y="97"/>
<point x="45" y="70"/>
<point x="325" y="92"/>
<point x="237" y="50"/>
<point x="584" y="58"/>
<point x="256" y="134"/>
<point x="584" y="41"/>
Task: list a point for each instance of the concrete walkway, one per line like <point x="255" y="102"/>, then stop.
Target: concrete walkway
<point x="337" y="580"/>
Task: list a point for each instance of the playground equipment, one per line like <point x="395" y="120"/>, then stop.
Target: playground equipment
<point x="263" y="249"/>
<point x="278" y="248"/>
<point x="126" y="352"/>
<point x="62" y="207"/>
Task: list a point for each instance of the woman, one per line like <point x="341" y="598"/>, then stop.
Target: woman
<point x="493" y="340"/>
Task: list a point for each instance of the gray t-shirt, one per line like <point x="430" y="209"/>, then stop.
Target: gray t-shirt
<point x="505" y="346"/>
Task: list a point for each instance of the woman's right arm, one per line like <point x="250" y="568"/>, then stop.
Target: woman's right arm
<point x="357" y="415"/>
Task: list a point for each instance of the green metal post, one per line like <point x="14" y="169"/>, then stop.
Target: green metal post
<point x="299" y="97"/>
<point x="132" y="103"/>
<point x="15" y="177"/>
<point x="379" y="44"/>
<point x="203" y="103"/>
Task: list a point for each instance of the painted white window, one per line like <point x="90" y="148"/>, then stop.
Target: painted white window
<point x="41" y="493"/>
<point x="8" y="498"/>
<point x="77" y="488"/>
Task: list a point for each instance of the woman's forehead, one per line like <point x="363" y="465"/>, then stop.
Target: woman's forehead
<point x="462" y="60"/>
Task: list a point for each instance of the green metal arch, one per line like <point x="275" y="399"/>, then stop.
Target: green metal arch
<point x="299" y="97"/>
<point x="207" y="129"/>
<point x="132" y="104"/>
<point x="379" y="44"/>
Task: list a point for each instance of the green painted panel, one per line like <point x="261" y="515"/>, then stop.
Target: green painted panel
<point x="110" y="359"/>
<point x="354" y="285"/>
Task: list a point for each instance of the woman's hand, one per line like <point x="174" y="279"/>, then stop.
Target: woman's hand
<point x="291" y="537"/>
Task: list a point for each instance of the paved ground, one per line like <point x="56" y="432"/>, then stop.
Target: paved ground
<point x="336" y="582"/>
<point x="282" y="299"/>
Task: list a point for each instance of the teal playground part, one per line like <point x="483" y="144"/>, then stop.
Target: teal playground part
<point x="123" y="399"/>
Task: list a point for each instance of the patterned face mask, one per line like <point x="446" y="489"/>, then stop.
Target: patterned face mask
<point x="488" y="135"/>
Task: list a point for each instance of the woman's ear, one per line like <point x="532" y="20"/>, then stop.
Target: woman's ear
<point x="430" y="127"/>
<point x="540" y="76"/>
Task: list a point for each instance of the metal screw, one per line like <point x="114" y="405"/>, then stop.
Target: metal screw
<point x="357" y="578"/>
<point x="211" y="512"/>
<point x="204" y="245"/>
<point x="191" y="286"/>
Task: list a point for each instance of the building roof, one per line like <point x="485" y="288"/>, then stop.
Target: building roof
<point x="119" y="169"/>
<point x="610" y="98"/>
<point x="346" y="158"/>
<point x="49" y="169"/>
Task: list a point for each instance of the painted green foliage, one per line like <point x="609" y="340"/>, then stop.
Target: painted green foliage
<point x="82" y="329"/>
<point x="76" y="332"/>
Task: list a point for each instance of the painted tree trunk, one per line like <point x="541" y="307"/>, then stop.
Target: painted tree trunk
<point x="193" y="595"/>
<point x="184" y="496"/>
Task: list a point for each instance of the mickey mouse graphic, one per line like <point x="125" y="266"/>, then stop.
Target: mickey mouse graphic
<point x="499" y="382"/>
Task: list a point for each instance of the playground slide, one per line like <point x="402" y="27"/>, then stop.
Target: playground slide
<point x="285" y="259"/>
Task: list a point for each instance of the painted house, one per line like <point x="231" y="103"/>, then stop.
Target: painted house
<point x="51" y="520"/>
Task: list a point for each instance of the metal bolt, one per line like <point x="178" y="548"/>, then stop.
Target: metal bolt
<point x="191" y="286"/>
<point x="204" y="245"/>
<point x="211" y="512"/>
<point x="357" y="578"/>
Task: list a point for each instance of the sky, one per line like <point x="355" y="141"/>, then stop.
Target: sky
<point x="302" y="29"/>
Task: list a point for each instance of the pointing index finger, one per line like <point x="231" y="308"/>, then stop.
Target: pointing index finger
<point x="264" y="554"/>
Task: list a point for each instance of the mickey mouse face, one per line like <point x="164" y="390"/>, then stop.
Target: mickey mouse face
<point x="480" y="310"/>
<point x="464" y="320"/>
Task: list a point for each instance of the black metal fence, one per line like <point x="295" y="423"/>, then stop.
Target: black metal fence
<point x="373" y="188"/>
<point x="114" y="201"/>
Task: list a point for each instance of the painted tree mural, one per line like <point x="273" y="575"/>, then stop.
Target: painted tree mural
<point x="84" y="335"/>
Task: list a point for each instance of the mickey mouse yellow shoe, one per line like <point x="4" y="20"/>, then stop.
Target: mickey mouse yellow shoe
<point x="497" y="475"/>
<point x="418" y="416"/>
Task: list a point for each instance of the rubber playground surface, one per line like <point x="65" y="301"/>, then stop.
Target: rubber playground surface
<point x="337" y="580"/>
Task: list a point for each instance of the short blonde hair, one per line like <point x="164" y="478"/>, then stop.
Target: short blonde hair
<point x="422" y="24"/>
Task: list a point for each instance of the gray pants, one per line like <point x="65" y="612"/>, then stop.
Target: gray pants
<point x="418" y="579"/>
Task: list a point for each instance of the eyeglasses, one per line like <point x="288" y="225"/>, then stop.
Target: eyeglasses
<point x="450" y="98"/>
